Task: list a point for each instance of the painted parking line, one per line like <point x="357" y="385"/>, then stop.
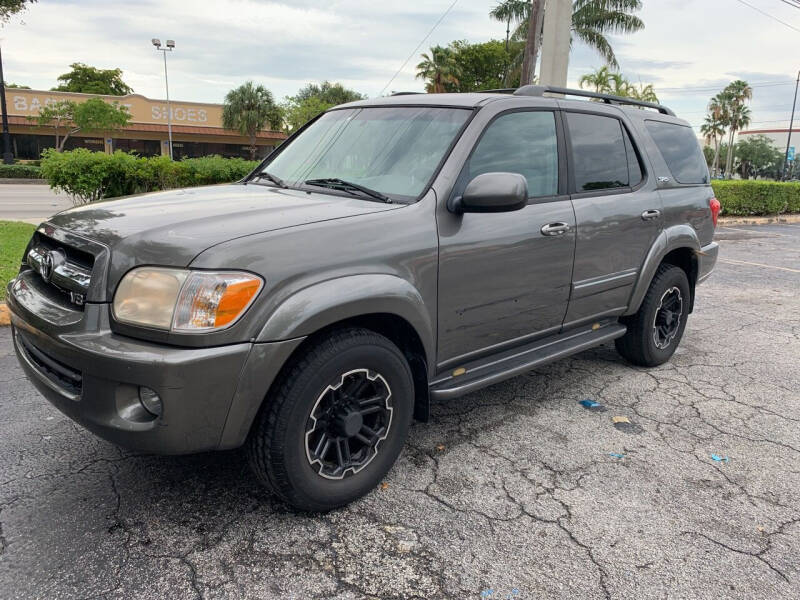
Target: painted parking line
<point x="752" y="264"/>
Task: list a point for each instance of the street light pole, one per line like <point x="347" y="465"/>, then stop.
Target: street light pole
<point x="791" y="123"/>
<point x="170" y="47"/>
<point x="8" y="156"/>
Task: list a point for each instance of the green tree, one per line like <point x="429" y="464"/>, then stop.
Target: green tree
<point x="737" y="114"/>
<point x="439" y="70"/>
<point x="68" y="118"/>
<point x="482" y="66"/>
<point x="758" y="157"/>
<point x="91" y="80"/>
<point x="17" y="86"/>
<point x="605" y="81"/>
<point x="713" y="131"/>
<point x="9" y="8"/>
<point x="314" y="99"/>
<point x="248" y="109"/>
<point x="592" y="22"/>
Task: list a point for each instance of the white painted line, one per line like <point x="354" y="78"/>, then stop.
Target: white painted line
<point x="752" y="264"/>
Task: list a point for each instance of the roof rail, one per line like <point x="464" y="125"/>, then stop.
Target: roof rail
<point x="540" y="90"/>
<point x="405" y="93"/>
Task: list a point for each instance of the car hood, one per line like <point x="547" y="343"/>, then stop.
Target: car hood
<point x="172" y="227"/>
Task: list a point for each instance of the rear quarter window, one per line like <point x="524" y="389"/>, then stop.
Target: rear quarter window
<point x="681" y="151"/>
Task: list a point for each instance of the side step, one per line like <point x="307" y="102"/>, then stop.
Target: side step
<point x="509" y="364"/>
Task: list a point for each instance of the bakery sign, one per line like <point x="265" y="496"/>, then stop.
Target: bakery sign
<point x="28" y="103"/>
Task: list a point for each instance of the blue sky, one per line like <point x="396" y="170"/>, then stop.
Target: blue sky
<point x="688" y="50"/>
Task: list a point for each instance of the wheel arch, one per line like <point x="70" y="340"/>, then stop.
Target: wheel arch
<point x="677" y="245"/>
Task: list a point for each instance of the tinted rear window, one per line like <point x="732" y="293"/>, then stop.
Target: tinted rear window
<point x="599" y="159"/>
<point x="681" y="151"/>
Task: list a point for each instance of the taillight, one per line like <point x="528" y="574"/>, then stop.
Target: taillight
<point x="715" y="207"/>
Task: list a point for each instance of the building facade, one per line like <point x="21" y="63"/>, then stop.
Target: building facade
<point x="196" y="128"/>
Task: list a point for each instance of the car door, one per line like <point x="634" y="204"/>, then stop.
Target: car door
<point x="504" y="278"/>
<point x="618" y="213"/>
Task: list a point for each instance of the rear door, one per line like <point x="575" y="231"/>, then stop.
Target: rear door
<point x="503" y="279"/>
<point x="618" y="214"/>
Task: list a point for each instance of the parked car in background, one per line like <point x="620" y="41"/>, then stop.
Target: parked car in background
<point x="392" y="251"/>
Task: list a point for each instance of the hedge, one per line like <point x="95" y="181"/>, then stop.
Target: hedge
<point x="88" y="176"/>
<point x="20" y="172"/>
<point x="751" y="198"/>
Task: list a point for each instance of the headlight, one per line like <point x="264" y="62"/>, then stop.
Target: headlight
<point x="183" y="300"/>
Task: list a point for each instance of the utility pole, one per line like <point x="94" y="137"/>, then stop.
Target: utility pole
<point x="555" y="43"/>
<point x="8" y="156"/>
<point x="791" y="123"/>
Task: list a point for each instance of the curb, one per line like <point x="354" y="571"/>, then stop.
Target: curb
<point x="28" y="180"/>
<point x="777" y="219"/>
<point x="5" y="316"/>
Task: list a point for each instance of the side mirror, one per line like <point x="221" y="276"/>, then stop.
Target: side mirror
<point x="492" y="192"/>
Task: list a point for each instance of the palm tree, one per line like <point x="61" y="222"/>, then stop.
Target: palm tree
<point x="646" y="93"/>
<point x="439" y="69"/>
<point x="592" y="20"/>
<point x="735" y="95"/>
<point x="600" y="80"/>
<point x="248" y="109"/>
<point x="713" y="129"/>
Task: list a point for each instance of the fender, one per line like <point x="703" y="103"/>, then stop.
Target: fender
<point x="676" y="236"/>
<point x="322" y="304"/>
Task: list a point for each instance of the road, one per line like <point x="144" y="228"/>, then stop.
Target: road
<point x="511" y="490"/>
<point x="30" y="202"/>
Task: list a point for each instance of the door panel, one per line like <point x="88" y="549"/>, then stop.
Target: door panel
<point x="618" y="216"/>
<point x="501" y="279"/>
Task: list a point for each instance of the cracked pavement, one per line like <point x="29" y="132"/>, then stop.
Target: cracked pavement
<point x="511" y="492"/>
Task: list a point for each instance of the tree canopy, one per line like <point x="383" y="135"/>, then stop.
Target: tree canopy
<point x="91" y="80"/>
<point x="68" y="118"/>
<point x="9" y="8"/>
<point x="313" y="99"/>
<point x="606" y="81"/>
<point x="758" y="157"/>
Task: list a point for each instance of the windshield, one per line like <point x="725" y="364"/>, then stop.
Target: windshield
<point x="392" y="150"/>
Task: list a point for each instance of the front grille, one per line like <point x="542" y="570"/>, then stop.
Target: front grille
<point x="66" y="269"/>
<point x="57" y="372"/>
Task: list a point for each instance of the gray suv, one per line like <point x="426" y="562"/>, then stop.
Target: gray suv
<point x="391" y="252"/>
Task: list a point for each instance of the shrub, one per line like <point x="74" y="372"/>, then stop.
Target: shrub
<point x="752" y="198"/>
<point x="88" y="176"/>
<point x="20" y="172"/>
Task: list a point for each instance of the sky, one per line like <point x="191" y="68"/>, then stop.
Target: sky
<point x="688" y="50"/>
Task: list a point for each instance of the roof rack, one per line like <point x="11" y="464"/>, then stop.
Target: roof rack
<point x="405" y="93"/>
<point x="541" y="90"/>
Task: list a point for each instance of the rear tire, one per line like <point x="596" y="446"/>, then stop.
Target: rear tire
<point x="335" y="422"/>
<point x="655" y="331"/>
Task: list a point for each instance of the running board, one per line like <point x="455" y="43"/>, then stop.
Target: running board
<point x="480" y="374"/>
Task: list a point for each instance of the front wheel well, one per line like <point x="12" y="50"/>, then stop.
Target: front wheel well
<point x="401" y="333"/>
<point x="686" y="259"/>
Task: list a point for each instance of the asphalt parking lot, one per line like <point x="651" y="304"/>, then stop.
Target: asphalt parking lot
<point x="513" y="492"/>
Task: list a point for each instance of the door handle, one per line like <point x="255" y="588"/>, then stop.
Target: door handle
<point x="651" y="214"/>
<point x="558" y="228"/>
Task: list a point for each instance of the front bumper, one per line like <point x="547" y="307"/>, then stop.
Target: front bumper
<point x="210" y="396"/>
<point x="706" y="261"/>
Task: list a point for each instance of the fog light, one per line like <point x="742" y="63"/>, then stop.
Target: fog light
<point x="150" y="401"/>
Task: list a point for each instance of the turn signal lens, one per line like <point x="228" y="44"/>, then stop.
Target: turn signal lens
<point x="715" y="207"/>
<point x="214" y="300"/>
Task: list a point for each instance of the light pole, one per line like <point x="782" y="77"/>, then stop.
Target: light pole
<point x="8" y="156"/>
<point x="791" y="123"/>
<point x="170" y="47"/>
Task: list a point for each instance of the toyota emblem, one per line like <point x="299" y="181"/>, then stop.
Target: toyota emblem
<point x="50" y="261"/>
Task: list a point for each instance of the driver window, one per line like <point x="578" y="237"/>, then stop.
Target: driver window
<point x="520" y="142"/>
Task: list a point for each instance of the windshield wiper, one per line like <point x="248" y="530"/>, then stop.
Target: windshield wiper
<point x="348" y="186"/>
<point x="273" y="178"/>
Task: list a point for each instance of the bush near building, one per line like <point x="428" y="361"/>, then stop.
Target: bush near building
<point x="754" y="198"/>
<point x="89" y="176"/>
<point x="20" y="172"/>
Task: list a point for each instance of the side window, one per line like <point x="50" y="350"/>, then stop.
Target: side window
<point x="681" y="151"/>
<point x="524" y="143"/>
<point x="599" y="158"/>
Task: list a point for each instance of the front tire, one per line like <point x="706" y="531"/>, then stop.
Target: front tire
<point x="335" y="422"/>
<point x="655" y="331"/>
